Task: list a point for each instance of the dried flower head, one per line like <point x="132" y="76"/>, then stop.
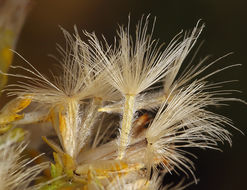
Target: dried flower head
<point x="15" y="171"/>
<point x="162" y="109"/>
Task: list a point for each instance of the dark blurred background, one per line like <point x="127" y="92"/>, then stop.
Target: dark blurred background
<point x="226" y="31"/>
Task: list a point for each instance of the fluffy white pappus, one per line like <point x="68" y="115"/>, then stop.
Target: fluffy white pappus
<point x="195" y="73"/>
<point x="92" y="76"/>
<point x="79" y="79"/>
<point x="188" y="42"/>
<point x="135" y="181"/>
<point x="133" y="65"/>
<point x="131" y="181"/>
<point x="181" y="122"/>
<point x="179" y="186"/>
<point x="16" y="172"/>
<point x="157" y="181"/>
<point x="136" y="62"/>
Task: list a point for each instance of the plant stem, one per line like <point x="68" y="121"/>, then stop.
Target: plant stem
<point x="89" y="121"/>
<point x="68" y="126"/>
<point x="128" y="114"/>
